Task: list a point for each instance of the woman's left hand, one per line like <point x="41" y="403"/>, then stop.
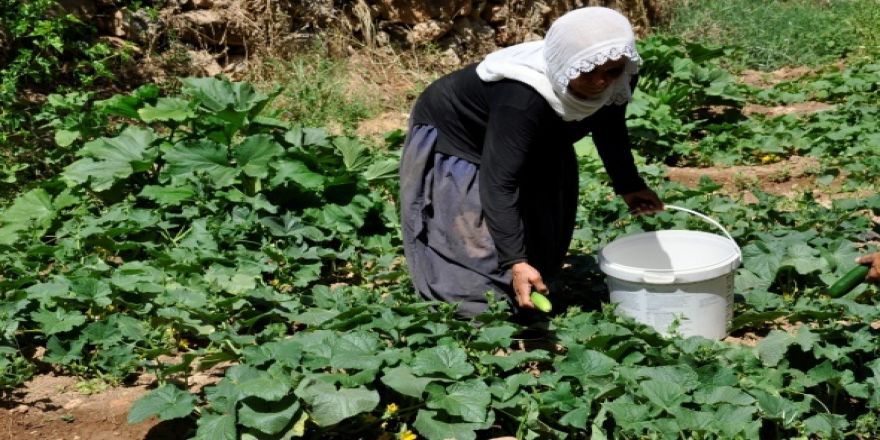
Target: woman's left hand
<point x="641" y="202"/>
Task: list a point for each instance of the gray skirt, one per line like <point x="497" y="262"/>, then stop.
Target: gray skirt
<point x="449" y="252"/>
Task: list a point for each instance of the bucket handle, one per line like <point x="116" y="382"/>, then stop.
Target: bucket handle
<point x="710" y="220"/>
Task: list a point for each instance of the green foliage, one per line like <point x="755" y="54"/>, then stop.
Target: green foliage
<point x="200" y="204"/>
<point x="46" y="52"/>
<point x="678" y="83"/>
<point x="209" y="229"/>
<point x="688" y="110"/>
<point x="773" y="34"/>
<point x="315" y="95"/>
<point x="40" y="37"/>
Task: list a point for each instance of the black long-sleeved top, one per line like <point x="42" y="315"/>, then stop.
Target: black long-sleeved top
<point x="498" y="125"/>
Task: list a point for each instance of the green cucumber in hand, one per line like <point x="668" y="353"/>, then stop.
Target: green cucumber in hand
<point x="849" y="281"/>
<point x="541" y="302"/>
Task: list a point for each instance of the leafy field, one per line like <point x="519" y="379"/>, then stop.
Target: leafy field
<point x="207" y="228"/>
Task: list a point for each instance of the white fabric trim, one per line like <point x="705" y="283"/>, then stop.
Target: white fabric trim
<point x="597" y="58"/>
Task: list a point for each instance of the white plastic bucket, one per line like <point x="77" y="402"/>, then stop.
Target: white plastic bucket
<point x="674" y="275"/>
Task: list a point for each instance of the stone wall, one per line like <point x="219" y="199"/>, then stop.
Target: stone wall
<point x="217" y="35"/>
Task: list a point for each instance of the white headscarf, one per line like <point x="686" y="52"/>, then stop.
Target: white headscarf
<point x="577" y="42"/>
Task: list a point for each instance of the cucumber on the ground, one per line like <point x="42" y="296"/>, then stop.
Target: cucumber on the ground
<point x="541" y="302"/>
<point x="849" y="281"/>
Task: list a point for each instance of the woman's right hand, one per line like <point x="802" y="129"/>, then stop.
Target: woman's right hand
<point x="526" y="279"/>
<point x="872" y="260"/>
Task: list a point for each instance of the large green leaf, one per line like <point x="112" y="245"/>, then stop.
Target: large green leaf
<point x="137" y="276"/>
<point x="402" y="380"/>
<point x="167" y="109"/>
<point x="428" y="425"/>
<point x="666" y="395"/>
<point x="168" y="195"/>
<point x="330" y="406"/>
<point x="57" y="352"/>
<point x="449" y="360"/>
<point x="301" y="136"/>
<point x="772" y="349"/>
<point x="737" y="419"/>
<point x="127" y="105"/>
<point x="469" y="399"/>
<point x="65" y="138"/>
<point x="297" y="172"/>
<point x="384" y="169"/>
<point x="826" y="425"/>
<point x="216" y="427"/>
<point x="722" y="394"/>
<point x="515" y="359"/>
<point x="258" y="383"/>
<point x="354" y="154"/>
<point x="267" y="417"/>
<point x="805" y="259"/>
<point x="356" y="350"/>
<point x="33" y="209"/>
<point x="58" y="321"/>
<point x="217" y="95"/>
<point x="107" y="160"/>
<point x="205" y="156"/>
<point x="167" y="402"/>
<point x="255" y="153"/>
<point x="762" y="260"/>
<point x="581" y="363"/>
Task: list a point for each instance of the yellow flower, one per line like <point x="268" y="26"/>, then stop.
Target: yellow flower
<point x="391" y="408"/>
<point x="407" y="435"/>
<point x="769" y="158"/>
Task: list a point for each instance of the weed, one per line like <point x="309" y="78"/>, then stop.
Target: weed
<point x="779" y="33"/>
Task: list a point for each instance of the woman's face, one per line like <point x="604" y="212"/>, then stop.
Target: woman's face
<point x="591" y="84"/>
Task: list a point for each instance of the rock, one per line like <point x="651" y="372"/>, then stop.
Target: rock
<point x="450" y="58"/>
<point x="119" y="43"/>
<point x="206" y="26"/>
<point x="382" y="38"/>
<point x="84" y="10"/>
<point x="138" y="26"/>
<point x="413" y="12"/>
<point x="117" y="25"/>
<point x="202" y="4"/>
<point x="39" y="352"/>
<point x="497" y="14"/>
<point x="73" y="404"/>
<point x="204" y="63"/>
<point x="20" y="409"/>
<point x="428" y="31"/>
<point x="471" y="37"/>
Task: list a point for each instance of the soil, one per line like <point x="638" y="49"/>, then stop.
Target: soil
<point x="761" y="79"/>
<point x="50" y="407"/>
<point x="788" y="177"/>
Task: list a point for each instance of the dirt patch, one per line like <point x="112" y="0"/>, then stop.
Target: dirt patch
<point x="377" y="127"/>
<point x="786" y="178"/>
<point x="748" y="339"/>
<point x="49" y="407"/>
<point x="761" y="79"/>
<point x="798" y="108"/>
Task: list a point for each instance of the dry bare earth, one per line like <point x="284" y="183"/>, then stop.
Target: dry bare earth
<point x="50" y="408"/>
